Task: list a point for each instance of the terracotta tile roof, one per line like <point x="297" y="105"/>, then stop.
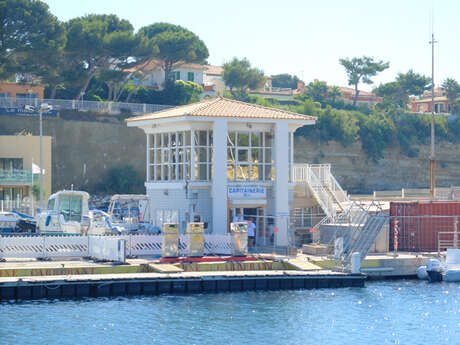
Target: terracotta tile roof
<point x="349" y="90"/>
<point x="223" y="107"/>
<point x="214" y="70"/>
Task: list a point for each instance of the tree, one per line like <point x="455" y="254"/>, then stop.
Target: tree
<point x="239" y="75"/>
<point x="407" y="84"/>
<point x="99" y="42"/>
<point x="452" y="90"/>
<point x="176" y="45"/>
<point x="361" y="70"/>
<point x="285" y="80"/>
<point x="317" y="90"/>
<point x="334" y="93"/>
<point x="27" y="30"/>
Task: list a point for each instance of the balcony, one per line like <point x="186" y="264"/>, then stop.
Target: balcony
<point x="15" y="177"/>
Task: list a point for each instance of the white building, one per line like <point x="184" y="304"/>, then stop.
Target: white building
<point x="220" y="157"/>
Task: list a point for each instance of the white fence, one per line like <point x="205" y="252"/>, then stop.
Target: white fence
<point x="42" y="247"/>
<point x="101" y="107"/>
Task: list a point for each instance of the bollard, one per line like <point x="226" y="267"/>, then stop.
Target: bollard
<point x="356" y="263"/>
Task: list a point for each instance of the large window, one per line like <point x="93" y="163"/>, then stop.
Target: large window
<point x="11" y="164"/>
<point x="250" y="156"/>
<point x="190" y="76"/>
<point x="184" y="155"/>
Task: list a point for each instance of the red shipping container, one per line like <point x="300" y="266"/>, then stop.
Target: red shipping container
<point x="416" y="224"/>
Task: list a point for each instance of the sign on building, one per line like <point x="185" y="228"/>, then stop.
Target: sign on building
<point x="247" y="192"/>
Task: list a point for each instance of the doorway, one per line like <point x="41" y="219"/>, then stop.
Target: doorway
<point x="256" y="215"/>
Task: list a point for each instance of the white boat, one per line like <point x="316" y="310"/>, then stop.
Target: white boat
<point x="8" y="222"/>
<point x="67" y="213"/>
<point x="437" y="270"/>
<point x="131" y="212"/>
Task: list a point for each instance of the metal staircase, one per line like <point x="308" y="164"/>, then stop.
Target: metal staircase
<point x="324" y="187"/>
<point x="357" y="230"/>
<point x="357" y="225"/>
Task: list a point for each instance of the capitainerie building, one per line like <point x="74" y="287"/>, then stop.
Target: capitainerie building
<point x="219" y="159"/>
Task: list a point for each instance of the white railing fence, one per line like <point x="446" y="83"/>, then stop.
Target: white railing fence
<point x="43" y="247"/>
<point x="95" y="106"/>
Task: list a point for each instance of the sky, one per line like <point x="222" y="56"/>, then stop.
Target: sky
<point x="306" y="38"/>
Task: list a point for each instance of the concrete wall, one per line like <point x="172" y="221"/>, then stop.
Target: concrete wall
<point x="83" y="151"/>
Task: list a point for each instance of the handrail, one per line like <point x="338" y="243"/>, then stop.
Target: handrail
<point x="105" y="107"/>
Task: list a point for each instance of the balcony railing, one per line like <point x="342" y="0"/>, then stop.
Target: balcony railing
<point x="102" y="107"/>
<point x="16" y="177"/>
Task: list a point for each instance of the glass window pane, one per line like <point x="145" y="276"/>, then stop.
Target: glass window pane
<point x="200" y="155"/>
<point x="256" y="139"/>
<point x="164" y="140"/>
<point x="158" y="172"/>
<point x="172" y="172"/>
<point x="210" y="138"/>
<point x="157" y="140"/>
<point x="230" y="155"/>
<point x="210" y="172"/>
<point x="268" y="156"/>
<point x="202" y="138"/>
<point x="231" y="139"/>
<point x="243" y="155"/>
<point x="256" y="172"/>
<point x="152" y="156"/>
<point x="180" y="139"/>
<point x="181" y="172"/>
<point x="187" y="156"/>
<point x="157" y="156"/>
<point x="202" y="173"/>
<point x="268" y="140"/>
<point x="173" y="139"/>
<point x="210" y="155"/>
<point x="165" y="156"/>
<point x="187" y="138"/>
<point x="230" y="172"/>
<point x="180" y="155"/>
<point x="165" y="172"/>
<point x="151" y="141"/>
<point x="187" y="172"/>
<point x="243" y="139"/>
<point x="151" y="173"/>
<point x="256" y="155"/>
<point x="242" y="172"/>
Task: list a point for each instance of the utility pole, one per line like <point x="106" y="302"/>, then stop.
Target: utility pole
<point x="432" y="153"/>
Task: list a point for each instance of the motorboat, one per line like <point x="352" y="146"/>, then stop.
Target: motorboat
<point x="8" y="222"/>
<point x="67" y="213"/>
<point x="131" y="212"/>
<point x="437" y="270"/>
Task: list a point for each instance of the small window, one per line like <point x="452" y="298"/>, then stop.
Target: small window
<point x="191" y="76"/>
<point x="177" y="75"/>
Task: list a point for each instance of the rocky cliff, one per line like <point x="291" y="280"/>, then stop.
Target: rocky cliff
<point x="358" y="174"/>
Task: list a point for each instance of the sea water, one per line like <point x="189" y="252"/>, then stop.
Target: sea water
<point x="384" y="312"/>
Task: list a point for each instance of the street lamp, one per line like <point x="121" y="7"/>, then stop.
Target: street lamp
<point x="43" y="108"/>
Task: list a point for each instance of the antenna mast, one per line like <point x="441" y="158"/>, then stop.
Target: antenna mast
<point x="432" y="153"/>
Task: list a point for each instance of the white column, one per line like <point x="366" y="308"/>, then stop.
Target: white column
<point x="281" y="182"/>
<point x="147" y="160"/>
<point x="219" y="182"/>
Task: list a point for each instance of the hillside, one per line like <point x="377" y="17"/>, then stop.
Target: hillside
<point x="84" y="151"/>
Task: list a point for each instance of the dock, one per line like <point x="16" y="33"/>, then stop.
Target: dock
<point x="75" y="279"/>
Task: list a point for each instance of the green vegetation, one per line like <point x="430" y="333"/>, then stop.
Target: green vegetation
<point x="285" y="80"/>
<point x="239" y="77"/>
<point x="361" y="70"/>
<point x="452" y="90"/>
<point x="122" y="180"/>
